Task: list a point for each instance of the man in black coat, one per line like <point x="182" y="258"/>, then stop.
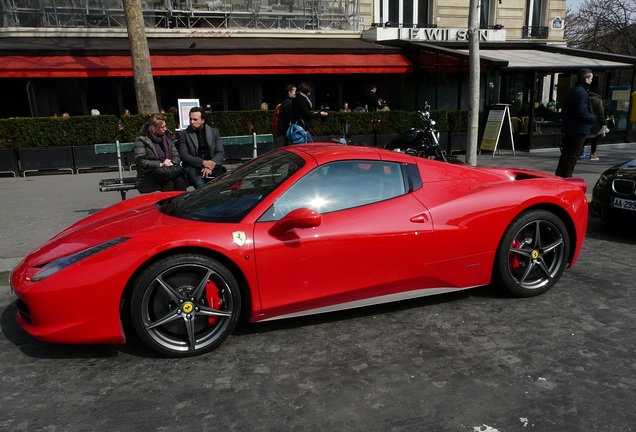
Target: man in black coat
<point x="373" y="102"/>
<point x="303" y="107"/>
<point x="578" y="117"/>
<point x="201" y="150"/>
<point x="286" y="111"/>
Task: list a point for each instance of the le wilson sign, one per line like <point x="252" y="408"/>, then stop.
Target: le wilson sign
<point x="431" y="34"/>
<point x="445" y="34"/>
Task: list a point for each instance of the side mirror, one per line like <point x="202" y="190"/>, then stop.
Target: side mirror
<point x="299" y="218"/>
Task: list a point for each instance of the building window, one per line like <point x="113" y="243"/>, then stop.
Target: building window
<point x="485" y="8"/>
<point x="534" y="19"/>
<point x="406" y="13"/>
<point x="534" y="13"/>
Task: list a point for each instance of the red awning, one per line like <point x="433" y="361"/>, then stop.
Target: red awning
<point x="67" y="66"/>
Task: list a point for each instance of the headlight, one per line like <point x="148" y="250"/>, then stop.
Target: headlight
<point x="602" y="181"/>
<point x="60" y="264"/>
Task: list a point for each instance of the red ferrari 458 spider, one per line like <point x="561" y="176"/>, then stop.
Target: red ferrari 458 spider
<point x="300" y="230"/>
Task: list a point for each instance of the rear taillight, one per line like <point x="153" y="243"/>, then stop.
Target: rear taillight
<point x="578" y="182"/>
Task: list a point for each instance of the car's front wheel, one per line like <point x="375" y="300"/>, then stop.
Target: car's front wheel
<point x="532" y="254"/>
<point x="185" y="305"/>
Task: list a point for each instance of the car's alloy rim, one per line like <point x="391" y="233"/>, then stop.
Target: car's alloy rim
<point x="186" y="307"/>
<point x="536" y="254"/>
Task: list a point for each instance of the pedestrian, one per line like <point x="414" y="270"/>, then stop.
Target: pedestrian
<point x="201" y="150"/>
<point x="578" y="117"/>
<point x="157" y="159"/>
<point x="286" y="111"/>
<point x="599" y="126"/>
<point x="373" y="103"/>
<point x="302" y="111"/>
<point x="264" y="105"/>
<point x="360" y="107"/>
<point x="345" y="107"/>
<point x="175" y="113"/>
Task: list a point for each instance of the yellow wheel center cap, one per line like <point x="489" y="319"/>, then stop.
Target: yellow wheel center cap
<point x="535" y="254"/>
<point x="188" y="307"/>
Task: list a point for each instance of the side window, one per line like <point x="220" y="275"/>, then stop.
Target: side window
<point x="341" y="185"/>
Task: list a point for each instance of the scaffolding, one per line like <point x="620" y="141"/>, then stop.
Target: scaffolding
<point x="187" y="14"/>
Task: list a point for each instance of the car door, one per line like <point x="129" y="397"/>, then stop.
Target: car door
<point x="372" y="240"/>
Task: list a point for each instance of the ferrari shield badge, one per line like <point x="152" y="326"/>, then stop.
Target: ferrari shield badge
<point x="239" y="238"/>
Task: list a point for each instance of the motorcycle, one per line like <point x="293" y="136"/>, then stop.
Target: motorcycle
<point x="421" y="142"/>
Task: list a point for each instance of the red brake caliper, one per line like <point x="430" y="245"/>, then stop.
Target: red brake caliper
<point x="214" y="300"/>
<point x="514" y="261"/>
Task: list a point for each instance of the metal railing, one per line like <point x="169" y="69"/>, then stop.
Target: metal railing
<point x="403" y="25"/>
<point x="241" y="14"/>
<point x="534" y="32"/>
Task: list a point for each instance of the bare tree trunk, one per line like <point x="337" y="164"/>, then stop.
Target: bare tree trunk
<point x="473" y="83"/>
<point x="140" y="54"/>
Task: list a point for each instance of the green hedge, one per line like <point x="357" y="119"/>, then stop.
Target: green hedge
<point x="77" y="131"/>
<point x="89" y="130"/>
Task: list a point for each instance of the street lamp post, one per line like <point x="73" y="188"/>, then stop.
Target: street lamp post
<point x="473" y="83"/>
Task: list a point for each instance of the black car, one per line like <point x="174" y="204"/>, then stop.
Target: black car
<point x="614" y="195"/>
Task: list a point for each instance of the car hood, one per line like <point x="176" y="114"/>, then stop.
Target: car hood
<point x="137" y="218"/>
<point x="627" y="169"/>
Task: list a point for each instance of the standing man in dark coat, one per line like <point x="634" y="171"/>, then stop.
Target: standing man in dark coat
<point x="303" y="109"/>
<point x="201" y="150"/>
<point x="373" y="102"/>
<point x="578" y="117"/>
<point x="286" y="111"/>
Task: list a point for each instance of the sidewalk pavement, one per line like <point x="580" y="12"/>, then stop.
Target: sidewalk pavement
<point x="546" y="160"/>
<point x="36" y="207"/>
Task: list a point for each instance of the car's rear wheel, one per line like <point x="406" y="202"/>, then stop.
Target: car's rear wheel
<point x="532" y="254"/>
<point x="185" y="305"/>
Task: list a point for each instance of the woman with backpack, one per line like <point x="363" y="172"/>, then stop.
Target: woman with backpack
<point x="302" y="112"/>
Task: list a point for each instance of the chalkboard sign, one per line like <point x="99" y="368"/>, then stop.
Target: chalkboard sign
<point x="498" y="130"/>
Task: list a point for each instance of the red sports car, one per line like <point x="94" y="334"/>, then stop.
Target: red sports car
<point x="301" y="230"/>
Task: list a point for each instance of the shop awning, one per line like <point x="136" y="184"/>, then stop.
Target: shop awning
<point x="530" y="59"/>
<point x="79" y="66"/>
<point x="514" y="57"/>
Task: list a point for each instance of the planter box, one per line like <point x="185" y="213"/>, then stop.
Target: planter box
<point x="369" y="140"/>
<point x="86" y="159"/>
<point x="454" y="142"/>
<point x="238" y="152"/>
<point x="46" y="158"/>
<point x="8" y="162"/>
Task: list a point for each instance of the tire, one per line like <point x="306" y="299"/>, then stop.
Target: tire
<point x="533" y="253"/>
<point x="184" y="305"/>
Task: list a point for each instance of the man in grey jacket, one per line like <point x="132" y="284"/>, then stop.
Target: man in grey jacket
<point x="201" y="150"/>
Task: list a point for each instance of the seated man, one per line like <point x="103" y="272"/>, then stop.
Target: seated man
<point x="201" y="150"/>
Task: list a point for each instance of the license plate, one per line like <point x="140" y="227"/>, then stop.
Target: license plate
<point x="624" y="204"/>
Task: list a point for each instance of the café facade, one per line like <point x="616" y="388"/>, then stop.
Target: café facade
<point x="46" y="71"/>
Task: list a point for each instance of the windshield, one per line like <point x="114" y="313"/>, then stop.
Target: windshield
<point x="231" y="197"/>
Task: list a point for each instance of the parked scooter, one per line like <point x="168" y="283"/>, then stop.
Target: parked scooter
<point x="421" y="142"/>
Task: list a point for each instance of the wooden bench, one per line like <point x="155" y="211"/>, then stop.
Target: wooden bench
<point x="121" y="184"/>
<point x="232" y="144"/>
